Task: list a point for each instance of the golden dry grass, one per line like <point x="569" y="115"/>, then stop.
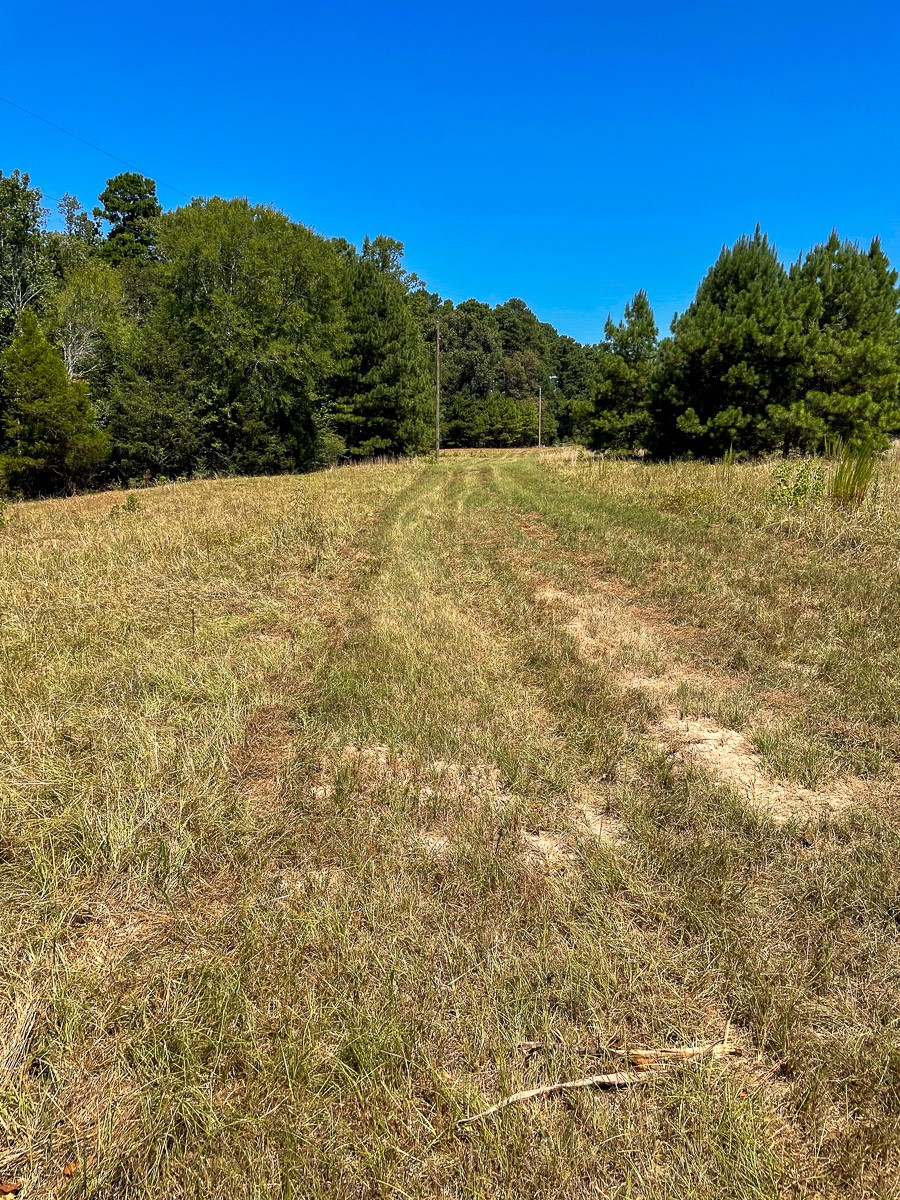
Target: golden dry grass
<point x="323" y="798"/>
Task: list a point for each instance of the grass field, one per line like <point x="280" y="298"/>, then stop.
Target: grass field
<point x="335" y="809"/>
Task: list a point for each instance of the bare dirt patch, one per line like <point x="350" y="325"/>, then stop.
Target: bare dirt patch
<point x="728" y="755"/>
<point x="550" y="851"/>
<point x="437" y="845"/>
<point x="116" y="922"/>
<point x="614" y="633"/>
<point x="600" y="823"/>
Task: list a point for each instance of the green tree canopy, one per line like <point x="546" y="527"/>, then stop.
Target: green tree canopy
<point x="128" y="205"/>
<point x="383" y="399"/>
<point x="574" y="368"/>
<point x="50" y="442"/>
<point x="852" y="362"/>
<point x="25" y="269"/>
<point x="736" y="353"/>
<point x="86" y="316"/>
<point x="487" y="353"/>
<point x="224" y="336"/>
<point x="472" y="351"/>
<point x="246" y="327"/>
<point x="625" y="380"/>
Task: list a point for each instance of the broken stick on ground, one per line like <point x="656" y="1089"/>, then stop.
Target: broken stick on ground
<point x="649" y="1064"/>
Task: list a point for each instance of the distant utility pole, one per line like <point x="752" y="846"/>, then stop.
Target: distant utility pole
<point x="553" y="379"/>
<point x="437" y="396"/>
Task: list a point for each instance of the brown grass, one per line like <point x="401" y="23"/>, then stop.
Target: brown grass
<point x="320" y="798"/>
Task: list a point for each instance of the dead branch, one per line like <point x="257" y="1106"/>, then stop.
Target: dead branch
<point x="615" y="1080"/>
<point x="644" y="1060"/>
<point x="638" y="1057"/>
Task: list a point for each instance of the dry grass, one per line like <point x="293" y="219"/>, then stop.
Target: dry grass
<point x="315" y="809"/>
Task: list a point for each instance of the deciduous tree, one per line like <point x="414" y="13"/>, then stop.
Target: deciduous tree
<point x="25" y="270"/>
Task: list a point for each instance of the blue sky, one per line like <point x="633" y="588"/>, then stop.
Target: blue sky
<point x="567" y="153"/>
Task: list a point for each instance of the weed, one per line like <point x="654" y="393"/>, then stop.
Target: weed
<point x="798" y="481"/>
<point x="131" y="504"/>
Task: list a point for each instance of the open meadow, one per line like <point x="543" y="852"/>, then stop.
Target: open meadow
<point x="334" y="809"/>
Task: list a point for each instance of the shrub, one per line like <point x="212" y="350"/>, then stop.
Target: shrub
<point x="799" y="481"/>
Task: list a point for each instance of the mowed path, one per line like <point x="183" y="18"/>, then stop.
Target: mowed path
<point x="471" y="837"/>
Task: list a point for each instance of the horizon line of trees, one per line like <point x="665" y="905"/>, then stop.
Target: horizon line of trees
<point x="222" y="337"/>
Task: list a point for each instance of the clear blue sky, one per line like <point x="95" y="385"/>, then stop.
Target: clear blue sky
<point x="567" y="152"/>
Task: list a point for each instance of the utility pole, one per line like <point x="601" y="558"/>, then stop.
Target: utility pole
<point x="553" y="379"/>
<point x="437" y="396"/>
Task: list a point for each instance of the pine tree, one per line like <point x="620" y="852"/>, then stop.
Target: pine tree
<point x="503" y="422"/>
<point x="50" y="441"/>
<point x="462" y="422"/>
<point x="733" y="366"/>
<point x="128" y="204"/>
<point x="383" y="394"/>
<point x="852" y="363"/>
<point x="626" y="377"/>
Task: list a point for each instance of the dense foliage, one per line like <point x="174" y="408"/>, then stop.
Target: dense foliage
<point x="49" y="434"/>
<point x="766" y="359"/>
<point x="224" y="337"/>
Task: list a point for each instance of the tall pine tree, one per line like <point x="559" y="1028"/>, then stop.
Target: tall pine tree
<point x="852" y="362"/>
<point x="128" y="204"/>
<point x="733" y="365"/>
<point x="619" y="416"/>
<point x="383" y="392"/>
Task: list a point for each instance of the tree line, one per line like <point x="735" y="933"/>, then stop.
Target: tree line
<point x="221" y="336"/>
<point x="138" y="344"/>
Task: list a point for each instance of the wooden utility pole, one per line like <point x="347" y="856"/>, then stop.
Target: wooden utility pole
<point x="437" y="396"/>
<point x="540" y="413"/>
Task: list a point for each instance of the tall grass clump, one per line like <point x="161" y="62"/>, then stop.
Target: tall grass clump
<point x="854" y="474"/>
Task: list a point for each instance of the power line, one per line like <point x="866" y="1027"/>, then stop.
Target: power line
<point x="85" y="142"/>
